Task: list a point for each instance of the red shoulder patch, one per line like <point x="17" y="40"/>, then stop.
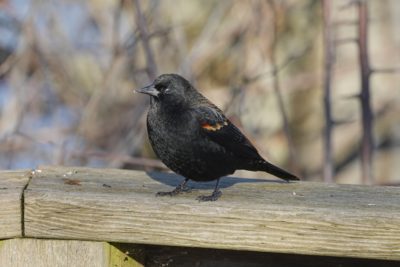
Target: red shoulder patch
<point x="214" y="127"/>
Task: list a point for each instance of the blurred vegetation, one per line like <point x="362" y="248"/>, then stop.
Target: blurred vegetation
<point x="68" y="69"/>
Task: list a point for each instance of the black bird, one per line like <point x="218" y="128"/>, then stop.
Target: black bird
<point x="194" y="138"/>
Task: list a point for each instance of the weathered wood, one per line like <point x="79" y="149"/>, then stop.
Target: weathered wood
<point x="60" y="253"/>
<point x="12" y="184"/>
<point x="255" y="215"/>
<point x="49" y="253"/>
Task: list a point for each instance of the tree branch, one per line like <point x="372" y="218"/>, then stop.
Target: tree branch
<point x="277" y="89"/>
<point x="329" y="60"/>
<point x="346" y="41"/>
<point x="144" y="35"/>
<point x="367" y="144"/>
<point x="385" y="70"/>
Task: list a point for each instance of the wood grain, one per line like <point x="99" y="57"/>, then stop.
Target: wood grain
<point x="252" y="214"/>
<point x="62" y="253"/>
<point x="11" y="186"/>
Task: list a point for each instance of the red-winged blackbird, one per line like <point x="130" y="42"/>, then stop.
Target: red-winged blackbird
<point x="195" y="139"/>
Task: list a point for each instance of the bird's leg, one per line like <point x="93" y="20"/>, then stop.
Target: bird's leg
<point x="179" y="189"/>
<point x="214" y="196"/>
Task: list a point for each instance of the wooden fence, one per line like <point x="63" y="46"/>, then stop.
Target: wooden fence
<point x="66" y="216"/>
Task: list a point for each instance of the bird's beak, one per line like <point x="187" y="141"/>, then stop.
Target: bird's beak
<point x="149" y="90"/>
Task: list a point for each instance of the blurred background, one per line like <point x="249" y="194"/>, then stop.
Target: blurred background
<point x="68" y="70"/>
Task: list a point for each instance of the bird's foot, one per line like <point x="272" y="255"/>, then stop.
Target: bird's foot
<point x="213" y="197"/>
<point x="179" y="189"/>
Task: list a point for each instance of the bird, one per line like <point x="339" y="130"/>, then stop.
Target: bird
<point x="194" y="138"/>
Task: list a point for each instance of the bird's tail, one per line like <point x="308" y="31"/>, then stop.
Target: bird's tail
<point x="265" y="166"/>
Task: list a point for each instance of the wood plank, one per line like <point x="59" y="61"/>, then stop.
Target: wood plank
<point x="48" y="253"/>
<point x="62" y="253"/>
<point x="253" y="214"/>
<point x="12" y="184"/>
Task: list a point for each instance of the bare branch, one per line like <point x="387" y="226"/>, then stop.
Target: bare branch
<point x="385" y="70"/>
<point x="7" y="64"/>
<point x="277" y="88"/>
<point x="328" y="66"/>
<point x="352" y="96"/>
<point x="116" y="31"/>
<point x="291" y="58"/>
<point x="367" y="143"/>
<point x="344" y="23"/>
<point x="144" y="34"/>
<point x="345" y="41"/>
<point x="349" y="4"/>
<point x="338" y="122"/>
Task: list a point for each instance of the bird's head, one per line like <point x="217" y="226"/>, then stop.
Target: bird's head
<point x="169" y="89"/>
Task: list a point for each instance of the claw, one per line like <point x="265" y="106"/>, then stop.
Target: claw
<point x="181" y="188"/>
<point x="213" y="197"/>
<point x="174" y="192"/>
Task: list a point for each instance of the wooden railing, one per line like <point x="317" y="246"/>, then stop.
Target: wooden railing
<point x="61" y="211"/>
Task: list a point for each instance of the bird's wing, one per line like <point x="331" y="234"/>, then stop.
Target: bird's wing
<point x="220" y="130"/>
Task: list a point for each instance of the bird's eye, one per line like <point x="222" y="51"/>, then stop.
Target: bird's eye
<point x="161" y="88"/>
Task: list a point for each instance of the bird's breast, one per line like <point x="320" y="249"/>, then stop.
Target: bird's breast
<point x="171" y="133"/>
<point x="178" y="142"/>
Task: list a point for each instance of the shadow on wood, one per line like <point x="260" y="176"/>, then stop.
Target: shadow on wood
<point x="228" y="181"/>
